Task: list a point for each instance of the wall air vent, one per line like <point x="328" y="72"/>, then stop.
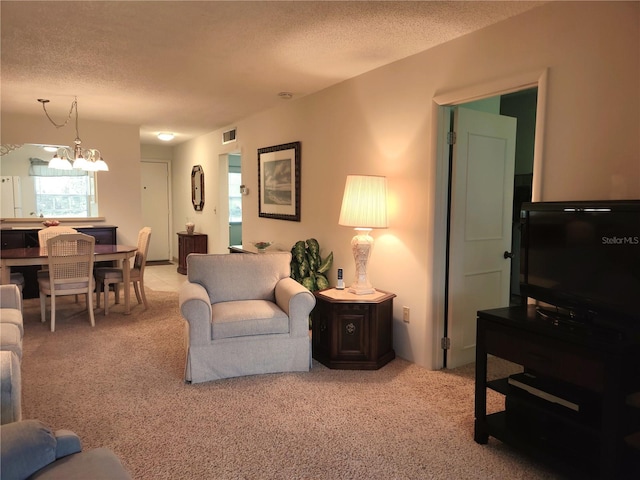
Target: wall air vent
<point x="229" y="136"/>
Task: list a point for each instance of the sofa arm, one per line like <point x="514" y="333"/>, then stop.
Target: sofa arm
<point x="195" y="307"/>
<point x="10" y="387"/>
<point x="96" y="464"/>
<point x="10" y="297"/>
<point x="67" y="443"/>
<point x="27" y="446"/>
<point x="297" y="302"/>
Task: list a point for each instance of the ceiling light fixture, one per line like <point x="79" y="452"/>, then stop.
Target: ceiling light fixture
<point x="89" y="160"/>
<point x="166" y="136"/>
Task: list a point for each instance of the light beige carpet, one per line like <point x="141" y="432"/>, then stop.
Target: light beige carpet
<point x="120" y="385"/>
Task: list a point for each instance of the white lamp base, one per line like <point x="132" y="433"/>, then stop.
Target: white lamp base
<point x="361" y="246"/>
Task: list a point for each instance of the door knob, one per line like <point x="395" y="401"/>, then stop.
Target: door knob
<point x="508" y="254"/>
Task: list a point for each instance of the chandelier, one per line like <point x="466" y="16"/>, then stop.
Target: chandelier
<point x="89" y="160"/>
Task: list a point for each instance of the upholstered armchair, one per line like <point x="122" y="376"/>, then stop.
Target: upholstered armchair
<point x="244" y="315"/>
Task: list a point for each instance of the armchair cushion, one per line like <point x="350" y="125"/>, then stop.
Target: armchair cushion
<point x="10" y="338"/>
<point x="12" y="316"/>
<point x="10" y="297"/>
<point x="11" y="327"/>
<point x="247" y="317"/>
<point x="238" y="276"/>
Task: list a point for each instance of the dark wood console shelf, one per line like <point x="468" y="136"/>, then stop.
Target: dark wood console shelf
<point x="593" y="435"/>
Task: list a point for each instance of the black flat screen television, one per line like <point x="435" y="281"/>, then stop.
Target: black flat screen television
<point x="583" y="259"/>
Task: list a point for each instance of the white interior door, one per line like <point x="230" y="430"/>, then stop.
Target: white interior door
<point x="6" y="201"/>
<point x="155" y="208"/>
<point x="481" y="208"/>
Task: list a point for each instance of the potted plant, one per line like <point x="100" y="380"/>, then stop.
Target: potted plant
<point x="308" y="267"/>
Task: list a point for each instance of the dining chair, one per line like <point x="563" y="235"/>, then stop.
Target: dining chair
<point x="71" y="258"/>
<point x="106" y="276"/>
<point x="45" y="234"/>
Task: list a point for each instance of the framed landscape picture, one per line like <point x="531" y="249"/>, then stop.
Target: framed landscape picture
<point x="279" y="182"/>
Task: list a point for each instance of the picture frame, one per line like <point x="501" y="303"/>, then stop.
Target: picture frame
<point x="279" y="182"/>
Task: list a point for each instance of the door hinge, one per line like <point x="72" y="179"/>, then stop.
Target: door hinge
<point x="445" y="343"/>
<point x="451" y="138"/>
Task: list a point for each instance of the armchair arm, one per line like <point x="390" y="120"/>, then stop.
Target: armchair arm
<point x="195" y="307"/>
<point x="28" y="446"/>
<point x="10" y="297"/>
<point x="297" y="302"/>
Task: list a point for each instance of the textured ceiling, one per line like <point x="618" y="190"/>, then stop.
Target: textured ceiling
<point x="193" y="67"/>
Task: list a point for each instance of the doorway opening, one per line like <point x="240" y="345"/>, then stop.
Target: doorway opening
<point x="235" y="200"/>
<point x="522" y="97"/>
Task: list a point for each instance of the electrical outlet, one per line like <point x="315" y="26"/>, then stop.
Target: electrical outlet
<point x="405" y="314"/>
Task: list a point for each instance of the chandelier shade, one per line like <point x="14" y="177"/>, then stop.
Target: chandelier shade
<point x="60" y="163"/>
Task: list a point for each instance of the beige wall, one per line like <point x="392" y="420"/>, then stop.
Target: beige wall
<point x="119" y="197"/>
<point x="156" y="152"/>
<point x="384" y="123"/>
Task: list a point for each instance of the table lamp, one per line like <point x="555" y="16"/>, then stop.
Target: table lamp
<point x="364" y="206"/>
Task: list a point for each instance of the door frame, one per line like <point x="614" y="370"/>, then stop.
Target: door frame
<point x="441" y="106"/>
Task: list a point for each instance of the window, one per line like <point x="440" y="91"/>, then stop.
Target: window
<point x="64" y="196"/>
<point x="235" y="198"/>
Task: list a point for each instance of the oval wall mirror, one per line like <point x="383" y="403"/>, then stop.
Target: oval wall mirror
<point x="197" y="188"/>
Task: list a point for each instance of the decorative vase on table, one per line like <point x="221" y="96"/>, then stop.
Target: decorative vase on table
<point x="190" y="228"/>
<point x="262" y="246"/>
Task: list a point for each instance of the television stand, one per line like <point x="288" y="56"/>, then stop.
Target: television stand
<point x="598" y="373"/>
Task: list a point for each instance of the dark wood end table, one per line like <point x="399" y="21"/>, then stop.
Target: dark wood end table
<point x="353" y="332"/>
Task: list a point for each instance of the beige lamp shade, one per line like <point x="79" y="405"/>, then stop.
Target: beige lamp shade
<point x="364" y="204"/>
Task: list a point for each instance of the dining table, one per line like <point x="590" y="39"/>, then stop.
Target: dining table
<point x="14" y="257"/>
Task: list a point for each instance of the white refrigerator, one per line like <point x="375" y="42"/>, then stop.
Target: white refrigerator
<point x="11" y="197"/>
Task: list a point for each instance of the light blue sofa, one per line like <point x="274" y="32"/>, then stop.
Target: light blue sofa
<point x="30" y="450"/>
<point x="11" y="333"/>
